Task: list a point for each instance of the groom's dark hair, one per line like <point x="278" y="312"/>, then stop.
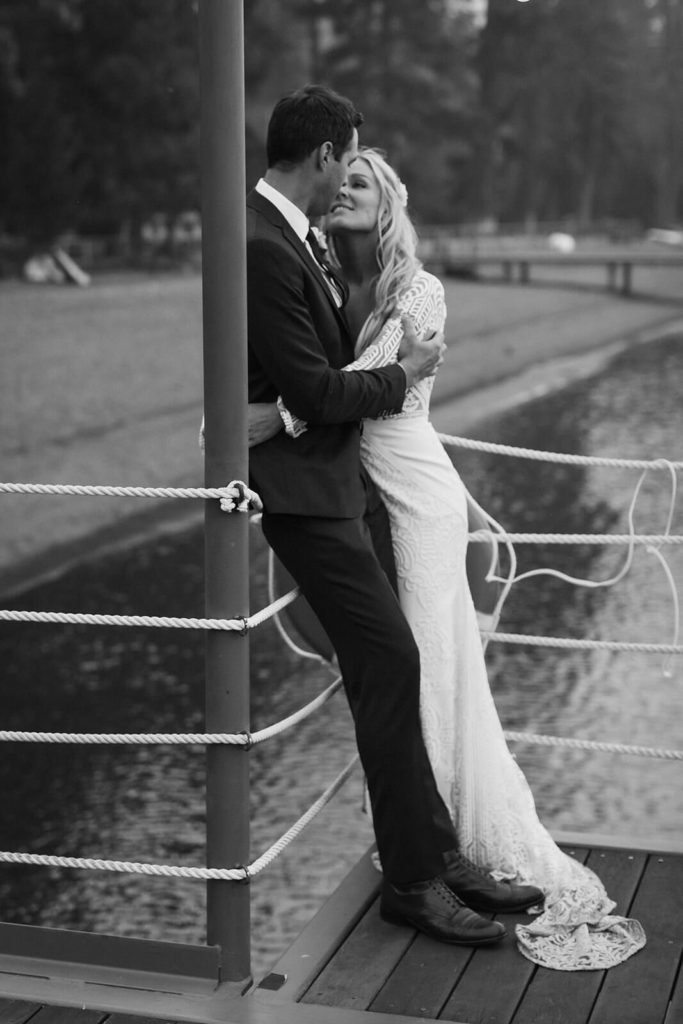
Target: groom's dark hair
<point x="304" y="119"/>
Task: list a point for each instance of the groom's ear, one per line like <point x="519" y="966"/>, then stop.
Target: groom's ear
<point x="324" y="154"/>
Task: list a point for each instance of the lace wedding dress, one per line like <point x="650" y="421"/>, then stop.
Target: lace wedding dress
<point x="481" y="783"/>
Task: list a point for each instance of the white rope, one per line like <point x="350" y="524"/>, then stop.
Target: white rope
<point x="272" y="609"/>
<point x="240" y="739"/>
<point x="240" y="625"/>
<point x="610" y="748"/>
<point x="276" y="849"/>
<point x="588" y="645"/>
<point x="298" y="716"/>
<point x="235" y="496"/>
<point x="80" y="618"/>
<point x="561" y="457"/>
<point x="128" y="867"/>
<point x="240" y="874"/>
<point x="652" y="548"/>
<point x="491" y="573"/>
<point x="478" y="536"/>
<point x="284" y="635"/>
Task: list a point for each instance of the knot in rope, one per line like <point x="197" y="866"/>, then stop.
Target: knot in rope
<point x="238" y="497"/>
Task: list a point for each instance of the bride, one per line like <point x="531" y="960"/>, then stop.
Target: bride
<point x="373" y="241"/>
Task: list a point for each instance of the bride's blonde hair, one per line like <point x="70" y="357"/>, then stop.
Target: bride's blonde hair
<point x="396" y="244"/>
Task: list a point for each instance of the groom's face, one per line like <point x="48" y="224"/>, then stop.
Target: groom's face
<point x="335" y="175"/>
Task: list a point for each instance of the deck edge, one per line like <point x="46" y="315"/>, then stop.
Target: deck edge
<point x="295" y="970"/>
<point x="652" y="844"/>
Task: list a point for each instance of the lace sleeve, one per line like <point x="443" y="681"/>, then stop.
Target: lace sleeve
<point x="423" y="302"/>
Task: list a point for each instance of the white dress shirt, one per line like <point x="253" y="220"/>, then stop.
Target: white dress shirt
<point x="300" y="225"/>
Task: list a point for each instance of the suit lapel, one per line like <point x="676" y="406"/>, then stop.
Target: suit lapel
<point x="258" y="202"/>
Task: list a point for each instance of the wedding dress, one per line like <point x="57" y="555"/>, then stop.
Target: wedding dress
<point x="484" y="789"/>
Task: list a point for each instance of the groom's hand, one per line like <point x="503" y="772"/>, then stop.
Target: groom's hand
<point x="420" y="357"/>
<point x="263" y="422"/>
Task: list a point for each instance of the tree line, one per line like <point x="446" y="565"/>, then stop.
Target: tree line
<point x="553" y="110"/>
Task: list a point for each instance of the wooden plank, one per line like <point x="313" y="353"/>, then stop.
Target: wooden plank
<point x="67" y="1015"/>
<point x="494" y="985"/>
<point x="423" y="979"/>
<point x="675" y="1013"/>
<point x="318" y="942"/>
<point x="653" y="843"/>
<point x="638" y="991"/>
<point x="357" y="972"/>
<point x="16" y="1011"/>
<point x="569" y="996"/>
<point x="494" y="982"/>
<point x="129" y="1018"/>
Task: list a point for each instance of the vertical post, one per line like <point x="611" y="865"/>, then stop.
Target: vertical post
<point x="626" y="278"/>
<point x="221" y="47"/>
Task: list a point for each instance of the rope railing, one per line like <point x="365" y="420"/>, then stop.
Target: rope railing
<point x="577" y="644"/>
<point x="564" y="458"/>
<point x="644" y="539"/>
<point x="572" y="743"/>
<point x="240" y="739"/>
<point x="247" y="740"/>
<point x="236" y="874"/>
<point x="237" y="497"/>
<point x="240" y="625"/>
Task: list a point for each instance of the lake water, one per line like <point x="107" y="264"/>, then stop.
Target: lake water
<point x="147" y="803"/>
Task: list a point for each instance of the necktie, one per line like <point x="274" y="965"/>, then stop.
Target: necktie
<point x="334" y="280"/>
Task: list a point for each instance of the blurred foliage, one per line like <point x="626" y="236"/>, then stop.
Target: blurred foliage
<point x="555" y="110"/>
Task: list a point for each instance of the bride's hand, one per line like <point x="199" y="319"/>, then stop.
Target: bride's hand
<point x="420" y="357"/>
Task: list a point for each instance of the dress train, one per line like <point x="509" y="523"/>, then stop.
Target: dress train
<point x="486" y="792"/>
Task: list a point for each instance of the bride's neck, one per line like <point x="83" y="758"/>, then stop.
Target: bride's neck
<point x="357" y="257"/>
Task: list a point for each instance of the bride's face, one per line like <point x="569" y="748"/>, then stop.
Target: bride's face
<point x="356" y="205"/>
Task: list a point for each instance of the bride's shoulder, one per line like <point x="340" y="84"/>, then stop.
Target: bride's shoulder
<point x="424" y="284"/>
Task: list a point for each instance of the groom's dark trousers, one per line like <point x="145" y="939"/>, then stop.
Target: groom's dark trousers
<point x="314" y="498"/>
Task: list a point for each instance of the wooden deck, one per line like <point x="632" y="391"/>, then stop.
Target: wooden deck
<point x="393" y="970"/>
<point x="350" y="967"/>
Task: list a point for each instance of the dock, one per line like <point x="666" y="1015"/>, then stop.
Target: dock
<point x="452" y="256"/>
<point x="350" y="967"/>
<point x="385" y="969"/>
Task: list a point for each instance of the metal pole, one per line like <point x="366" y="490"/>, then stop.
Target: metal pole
<point x="221" y="35"/>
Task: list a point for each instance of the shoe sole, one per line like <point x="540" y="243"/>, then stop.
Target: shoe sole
<point x="405" y="921"/>
<point x="484" y="909"/>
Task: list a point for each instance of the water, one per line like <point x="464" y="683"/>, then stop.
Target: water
<point x="147" y="803"/>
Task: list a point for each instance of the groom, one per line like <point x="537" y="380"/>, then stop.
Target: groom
<point x="314" y="498"/>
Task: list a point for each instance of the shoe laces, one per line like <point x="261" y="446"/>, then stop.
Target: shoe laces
<point x="447" y="894"/>
<point x="474" y="867"/>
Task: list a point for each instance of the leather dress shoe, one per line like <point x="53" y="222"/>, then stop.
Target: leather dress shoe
<point x="480" y="890"/>
<point x="433" y="909"/>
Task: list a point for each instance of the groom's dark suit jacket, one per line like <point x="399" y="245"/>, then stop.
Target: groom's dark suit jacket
<point x="298" y="342"/>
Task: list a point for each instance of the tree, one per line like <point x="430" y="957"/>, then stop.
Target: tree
<point x="557" y="85"/>
<point x="408" y="67"/>
<point x="41" y="189"/>
<point x="102" y="113"/>
<point x="137" y="98"/>
<point x="660" y="123"/>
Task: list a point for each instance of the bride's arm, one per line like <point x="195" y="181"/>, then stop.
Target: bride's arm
<point x="423" y="304"/>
